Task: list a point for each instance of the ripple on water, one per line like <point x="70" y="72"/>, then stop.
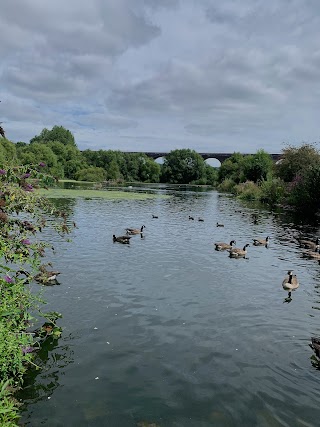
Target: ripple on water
<point x="185" y="336"/>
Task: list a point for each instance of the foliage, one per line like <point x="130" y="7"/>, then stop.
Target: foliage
<point x="295" y="160"/>
<point x="273" y="191"/>
<point x="92" y="174"/>
<point x="258" y="166"/>
<point x="21" y="218"/>
<point x="211" y="175"/>
<point x="7" y="152"/>
<point x="57" y="133"/>
<point x="227" y="185"/>
<point x="232" y="168"/>
<point x="248" y="191"/>
<point x="304" y="190"/>
<point x="183" y="167"/>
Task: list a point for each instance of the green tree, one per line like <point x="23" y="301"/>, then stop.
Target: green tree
<point x="258" y="166"/>
<point x="183" y="167"/>
<point x="91" y="174"/>
<point x="8" y="151"/>
<point x="38" y="152"/>
<point x="295" y="160"/>
<point x="211" y="175"/>
<point x="57" y="133"/>
<point x="233" y="169"/>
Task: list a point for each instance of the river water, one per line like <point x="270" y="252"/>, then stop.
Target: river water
<point x="169" y="331"/>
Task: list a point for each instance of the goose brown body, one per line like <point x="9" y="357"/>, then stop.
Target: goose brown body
<point x="260" y="242"/>
<point x="237" y="252"/>
<point x="121" y="239"/>
<point x="222" y="246"/>
<point x="309" y="243"/>
<point x="135" y="230"/>
<point x="290" y="282"/>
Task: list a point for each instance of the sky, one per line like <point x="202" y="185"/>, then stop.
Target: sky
<point x="157" y="75"/>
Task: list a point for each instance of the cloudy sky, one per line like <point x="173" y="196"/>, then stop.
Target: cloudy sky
<point x="155" y="75"/>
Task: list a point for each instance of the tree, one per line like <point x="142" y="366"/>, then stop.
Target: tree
<point x="258" y="166"/>
<point x="183" y="167"/>
<point x="57" y="133"/>
<point x="91" y="174"/>
<point x="233" y="168"/>
<point x="295" y="160"/>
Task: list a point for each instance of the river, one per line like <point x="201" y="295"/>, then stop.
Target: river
<point x="167" y="331"/>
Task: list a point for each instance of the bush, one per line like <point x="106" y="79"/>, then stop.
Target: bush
<point x="273" y="190"/>
<point x="248" y="190"/>
<point x="92" y="174"/>
<point x="227" y="185"/>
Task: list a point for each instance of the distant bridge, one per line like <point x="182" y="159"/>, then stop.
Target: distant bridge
<point x="219" y="156"/>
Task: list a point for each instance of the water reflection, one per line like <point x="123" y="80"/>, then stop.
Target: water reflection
<point x="52" y="358"/>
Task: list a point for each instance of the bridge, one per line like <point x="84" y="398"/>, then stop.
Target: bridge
<point x="219" y="156"/>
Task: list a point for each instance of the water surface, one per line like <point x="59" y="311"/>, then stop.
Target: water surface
<point x="170" y="331"/>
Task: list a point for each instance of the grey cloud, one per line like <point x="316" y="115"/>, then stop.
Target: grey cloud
<point x="167" y="73"/>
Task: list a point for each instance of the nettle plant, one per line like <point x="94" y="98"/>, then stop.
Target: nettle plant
<point x="23" y="215"/>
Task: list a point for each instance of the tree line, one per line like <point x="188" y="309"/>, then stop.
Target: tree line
<point x="294" y="180"/>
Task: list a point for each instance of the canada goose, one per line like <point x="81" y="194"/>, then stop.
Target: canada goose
<point x="220" y="225"/>
<point x="46" y="277"/>
<point x="121" y="239"/>
<point x="155" y="216"/>
<point x="135" y="230"/>
<point x="313" y="254"/>
<point x="290" y="282"/>
<point x="259" y="242"/>
<point x="200" y="219"/>
<point x="221" y="246"/>
<point x="191" y="217"/>
<point x="309" y="243"/>
<point x="237" y="252"/>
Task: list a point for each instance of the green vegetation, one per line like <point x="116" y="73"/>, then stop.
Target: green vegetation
<point x="294" y="181"/>
<point x="58" y="150"/>
<point x="103" y="194"/>
<point x="22" y="217"/>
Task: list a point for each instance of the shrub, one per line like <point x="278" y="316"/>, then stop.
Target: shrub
<point x="248" y="190"/>
<point x="273" y="190"/>
<point x="92" y="174"/>
<point x="227" y="185"/>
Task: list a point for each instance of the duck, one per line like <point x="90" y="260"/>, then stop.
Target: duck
<point x="221" y="246"/>
<point x="200" y="219"/>
<point x="237" y="252"/>
<point x="259" y="242"/>
<point x="191" y="217"/>
<point x="219" y="224"/>
<point x="290" y="282"/>
<point x="121" y="239"/>
<point x="309" y="243"/>
<point x="135" y="230"/>
<point x="155" y="216"/>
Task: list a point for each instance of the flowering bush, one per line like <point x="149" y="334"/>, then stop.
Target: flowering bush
<point x="22" y="216"/>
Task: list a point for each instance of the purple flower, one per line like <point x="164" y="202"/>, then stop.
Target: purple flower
<point x="8" y="279"/>
<point x="26" y="175"/>
<point x="2" y="172"/>
<point x="42" y="164"/>
<point x="26" y="242"/>
<point x="27" y="349"/>
<point x="28" y="187"/>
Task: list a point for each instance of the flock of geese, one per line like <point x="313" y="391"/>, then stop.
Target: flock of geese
<point x="290" y="281"/>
